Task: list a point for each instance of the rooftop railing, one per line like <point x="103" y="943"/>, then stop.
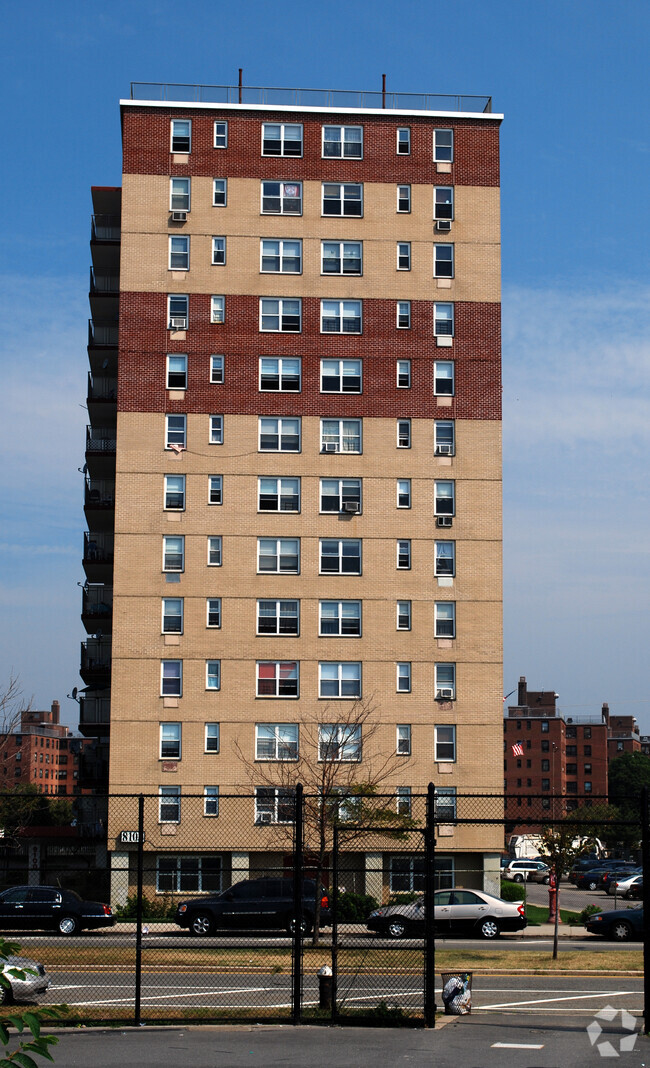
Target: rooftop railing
<point x="320" y="98"/>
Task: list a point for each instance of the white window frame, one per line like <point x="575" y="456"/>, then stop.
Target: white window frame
<point x="439" y="382"/>
<point x="448" y="446"/>
<point x="171" y="684"/>
<point x="441" y="742"/>
<point x="213" y="608"/>
<point x="274" y="801"/>
<point x="403" y="551"/>
<point x="444" y="619"/>
<point x="445" y="680"/>
<point x="280" y="493"/>
<point x="219" y="251"/>
<point x="338" y="437"/>
<point x="343" y="142"/>
<point x="171" y="371"/>
<point x="217" y="370"/>
<point x="350" y="369"/>
<point x="280" y="422"/>
<point x="170" y="736"/>
<point x="184" y="200"/>
<point x="340" y="555"/>
<point x="403" y="371"/>
<point x="282" y="153"/>
<point x="219" y="193"/>
<point x="403" y="739"/>
<point x="348" y="674"/>
<point x="170" y="494"/>
<point x="214" y="548"/>
<point x="278" y="555"/>
<point x="444" y="572"/>
<point x="445" y="811"/>
<point x="279" y="735"/>
<point x="403" y="615"/>
<point x="341" y="256"/>
<point x="173" y="135"/>
<point x="403" y="801"/>
<point x="184" y="315"/>
<point x="403" y="676"/>
<point x="348" y="490"/>
<point x="280" y="363"/>
<point x="342" y="214"/>
<point x="168" y="538"/>
<point x="211" y="735"/>
<point x="212" y="672"/>
<point x="443" y="153"/>
<point x="443" y="327"/>
<point x="403" y="493"/>
<point x="400" y="141"/>
<point x="439" y="498"/>
<point x="280" y="242"/>
<point x="282" y="196"/>
<point x="211" y="801"/>
<point x="355" y="613"/>
<point x="280" y="315"/>
<point x="403" y="199"/>
<point x="220" y="135"/>
<point x="403" y="256"/>
<point x="278" y="666"/>
<point x="168" y="615"/>
<point x="216" y="430"/>
<point x="344" y="744"/>
<point x="176" y="435"/>
<point x="173" y="796"/>
<point x="403" y="316"/>
<point x="176" y="239"/>
<point x="278" y="616"/>
<point x="217" y="310"/>
<point x="443" y="209"/>
<point x="337" y="312"/>
<point x="403" y="430"/>
<point x="443" y="267"/>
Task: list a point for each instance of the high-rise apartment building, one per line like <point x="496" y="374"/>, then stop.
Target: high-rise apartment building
<point x="305" y="479"/>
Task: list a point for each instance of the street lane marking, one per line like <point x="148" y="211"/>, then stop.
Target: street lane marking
<point x="575" y="997"/>
<point x="515" y="1045"/>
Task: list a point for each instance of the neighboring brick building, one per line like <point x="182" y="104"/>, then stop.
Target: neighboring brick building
<point x="561" y="756"/>
<point x="623" y="734"/>
<point x="306" y="489"/>
<point x="41" y="752"/>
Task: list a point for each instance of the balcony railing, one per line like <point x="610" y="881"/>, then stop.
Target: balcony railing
<point x="100" y="441"/>
<point x="101" y="388"/>
<point x="99" y="493"/>
<point x="104" y="283"/>
<point x="94" y="710"/>
<point x="98" y="548"/>
<point x="96" y="655"/>
<point x="105" y="228"/>
<point x="97" y="602"/>
<point x="104" y="334"/>
<point x="357" y="99"/>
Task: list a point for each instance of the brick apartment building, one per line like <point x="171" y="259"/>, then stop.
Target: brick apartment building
<point x="295" y="500"/>
<point x="41" y="752"/>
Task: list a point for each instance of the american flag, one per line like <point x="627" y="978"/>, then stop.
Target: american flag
<point x="517" y="749"/>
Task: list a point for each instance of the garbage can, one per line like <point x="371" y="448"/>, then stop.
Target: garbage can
<point x="457" y="993"/>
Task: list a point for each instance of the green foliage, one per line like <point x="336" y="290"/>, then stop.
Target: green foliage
<point x="628" y="774"/>
<point x="355" y="908"/>
<point x="39" y="1044"/>
<point x="151" y="910"/>
<point x="512" y="891"/>
<point x="589" y="910"/>
<point x="404" y="899"/>
<point x="26" y="807"/>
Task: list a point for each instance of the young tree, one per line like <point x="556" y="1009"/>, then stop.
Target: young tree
<point x="342" y="770"/>
<point x="11" y="708"/>
<point x="628" y="774"/>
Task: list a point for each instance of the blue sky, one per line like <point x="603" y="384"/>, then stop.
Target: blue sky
<point x="572" y="79"/>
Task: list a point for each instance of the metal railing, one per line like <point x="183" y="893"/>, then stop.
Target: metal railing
<point x="103" y="333"/>
<point x="106" y="283"/>
<point x="105" y="227"/>
<point x="322" y="98"/>
<point x="100" y="440"/>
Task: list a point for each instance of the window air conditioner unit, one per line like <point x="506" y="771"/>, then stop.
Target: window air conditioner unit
<point x="178" y="323"/>
<point x="351" y="506"/>
<point x="265" y="817"/>
<point x="444" y="450"/>
<point x="443" y="520"/>
<point x="179" y="216"/>
<point x="330" y="446"/>
<point x="442" y="695"/>
<point x="443" y="225"/>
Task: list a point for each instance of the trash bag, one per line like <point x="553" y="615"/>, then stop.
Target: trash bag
<point x="457" y="993"/>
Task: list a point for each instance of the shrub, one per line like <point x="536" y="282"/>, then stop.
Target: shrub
<point x="404" y="899"/>
<point x="589" y="910"/>
<point x="355" y="908"/>
<point x="512" y="891"/>
<point x="151" y="910"/>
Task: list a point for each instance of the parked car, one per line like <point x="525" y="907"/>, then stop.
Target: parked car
<point x="260" y="903"/>
<point x="35" y="980"/>
<point x="619" y="924"/>
<point x="532" y="870"/>
<point x="630" y="887"/>
<point x="612" y="875"/>
<point x="456" y="911"/>
<point x="584" y="864"/>
<point x="43" y="907"/>
<point x="593" y="878"/>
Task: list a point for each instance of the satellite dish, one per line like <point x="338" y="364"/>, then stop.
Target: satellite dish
<point x="74" y="694"/>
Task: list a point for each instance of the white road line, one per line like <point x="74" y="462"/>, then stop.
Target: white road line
<point x="575" y="997"/>
<point x="515" y="1045"/>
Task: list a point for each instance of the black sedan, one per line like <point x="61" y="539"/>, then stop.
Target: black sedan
<point x="621" y="925"/>
<point x="50" y="907"/>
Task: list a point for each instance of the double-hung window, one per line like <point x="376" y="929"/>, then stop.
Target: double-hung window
<point x="213" y="612"/>
<point x="403" y="140"/>
<point x="181" y="135"/>
<point x="169" y="804"/>
<point x="403" y="677"/>
<point x="340" y="495"/>
<point x="274" y="805"/>
<point x="278" y="555"/>
<point x="340" y="435"/>
<point x="403" y="493"/>
<point x="170" y="741"/>
<point x="343" y="142"/>
<point x="177" y="311"/>
<point x="216" y="370"/>
<point x="404" y="554"/>
<point x="444" y="437"/>
<point x="214" y="551"/>
<point x="340" y="556"/>
<point x="218" y="251"/>
<point x="444" y="804"/>
<point x="280" y="256"/>
<point x="340" y="376"/>
<point x="403" y="433"/>
<point x="174" y="493"/>
<point x="403" y="615"/>
<point x="443" y="146"/>
<point x="341" y="257"/>
<point x="280" y="374"/>
<point x="403" y="374"/>
<point x="210" y="800"/>
<point x="277" y="678"/>
<point x="281" y="198"/>
<point x="171" y="678"/>
<point x="445" y="742"/>
<point x="403" y="198"/>
<point x="445" y="681"/>
<point x="221" y="135"/>
<point x="217" y="309"/>
<point x="179" y="194"/>
<point x="403" y="317"/>
<point x="281" y="139"/>
<point x="403" y="739"/>
<point x="339" y="680"/>
<point x="177" y="372"/>
<point x="276" y="741"/>
<point x="445" y="559"/>
<point x="278" y="494"/>
<point x="281" y="315"/>
<point x="179" y="252"/>
<point x="213" y="674"/>
<point x="444" y="498"/>
<point x="443" y="378"/>
<point x="175" y="432"/>
<point x="278" y="617"/>
<point x="340" y="316"/>
<point x="443" y="261"/>
<point x="445" y="619"/>
<point x="211" y="738"/>
<point x="403" y="800"/>
<point x="279" y="435"/>
<point x="219" y="192"/>
<point x="403" y="255"/>
<point x="216" y="430"/>
<point x="339" y="741"/>
<point x="443" y="202"/>
<point x="172" y="615"/>
<point x="173" y="552"/>
<point x="345" y="198"/>
<point x="340" y="619"/>
<point x="443" y="319"/>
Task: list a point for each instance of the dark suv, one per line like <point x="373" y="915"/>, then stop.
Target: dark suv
<point x="260" y="903"/>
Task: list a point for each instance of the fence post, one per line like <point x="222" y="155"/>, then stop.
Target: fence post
<point x="429" y="915"/>
<point x="298" y="879"/>
<point x="645" y="857"/>
<point x="138" y="915"/>
<point x="335" y="916"/>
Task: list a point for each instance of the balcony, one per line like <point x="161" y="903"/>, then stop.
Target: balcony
<point x="97" y="607"/>
<point x="94" y="710"/>
<point x="103" y="334"/>
<point x="105" y="228"/>
<point x="98" y="556"/>
<point x="104" y="283"/>
<point x="101" y="399"/>
<point x="96" y="662"/>
<point x="100" y="452"/>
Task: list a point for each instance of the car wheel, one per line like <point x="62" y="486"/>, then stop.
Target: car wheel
<point x="202" y="924"/>
<point x="396" y="928"/>
<point x="546" y="880"/>
<point x="489" y="928"/>
<point x="592" y="885"/>
<point x="621" y="931"/>
<point x="305" y="926"/>
<point x="5" y="995"/>
<point x="518" y="878"/>
<point x="68" y="925"/>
